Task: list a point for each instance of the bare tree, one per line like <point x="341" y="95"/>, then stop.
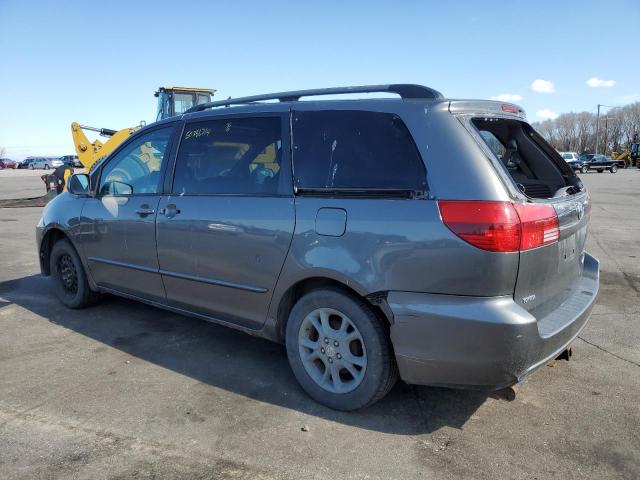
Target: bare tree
<point x="576" y="132"/>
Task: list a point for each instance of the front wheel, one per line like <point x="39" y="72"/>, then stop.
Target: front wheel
<point x="339" y="350"/>
<point x="613" y="169"/>
<point x="69" y="278"/>
<point x="584" y="169"/>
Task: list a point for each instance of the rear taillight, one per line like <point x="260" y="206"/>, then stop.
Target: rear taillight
<point x="501" y="226"/>
<point x="539" y="225"/>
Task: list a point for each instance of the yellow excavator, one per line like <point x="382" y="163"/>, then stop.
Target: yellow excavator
<point x="631" y="156"/>
<point x="171" y="101"/>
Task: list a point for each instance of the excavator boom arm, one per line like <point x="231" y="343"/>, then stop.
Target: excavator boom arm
<point x="90" y="152"/>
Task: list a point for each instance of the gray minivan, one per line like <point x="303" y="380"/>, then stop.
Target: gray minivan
<point x="438" y="240"/>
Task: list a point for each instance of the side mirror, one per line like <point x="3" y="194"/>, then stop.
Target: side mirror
<point x="79" y="184"/>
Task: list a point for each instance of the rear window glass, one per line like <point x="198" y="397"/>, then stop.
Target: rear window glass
<point x="355" y="150"/>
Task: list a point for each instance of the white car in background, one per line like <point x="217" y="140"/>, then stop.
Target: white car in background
<point x="572" y="159"/>
<point x="569" y="156"/>
<point x="45" y="163"/>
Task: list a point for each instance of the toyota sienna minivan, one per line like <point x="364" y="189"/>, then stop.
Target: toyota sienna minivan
<point x="441" y="241"/>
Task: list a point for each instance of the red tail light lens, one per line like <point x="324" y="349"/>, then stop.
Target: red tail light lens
<point x="501" y="226"/>
<point x="539" y="225"/>
<point x="492" y="226"/>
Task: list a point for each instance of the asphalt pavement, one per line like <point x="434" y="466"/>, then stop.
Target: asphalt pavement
<point x="124" y="390"/>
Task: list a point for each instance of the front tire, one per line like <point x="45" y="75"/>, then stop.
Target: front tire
<point x="584" y="170"/>
<point x="69" y="278"/>
<point x="613" y="169"/>
<point x="339" y="350"/>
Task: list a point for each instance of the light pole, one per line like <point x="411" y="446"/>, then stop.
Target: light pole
<point x="606" y="132"/>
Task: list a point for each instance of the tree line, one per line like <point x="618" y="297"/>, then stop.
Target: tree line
<point x="576" y="132"/>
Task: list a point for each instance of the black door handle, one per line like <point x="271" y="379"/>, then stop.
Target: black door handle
<point x="144" y="210"/>
<point x="170" y="210"/>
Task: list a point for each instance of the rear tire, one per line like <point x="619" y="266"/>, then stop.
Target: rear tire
<point x="584" y="170"/>
<point x="339" y="350"/>
<point x="69" y="278"/>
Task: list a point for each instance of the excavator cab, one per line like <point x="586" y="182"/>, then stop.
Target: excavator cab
<point x="176" y="100"/>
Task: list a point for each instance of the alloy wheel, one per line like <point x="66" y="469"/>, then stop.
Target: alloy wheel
<point x="332" y="350"/>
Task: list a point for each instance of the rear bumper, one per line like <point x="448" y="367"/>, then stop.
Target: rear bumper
<point x="483" y="342"/>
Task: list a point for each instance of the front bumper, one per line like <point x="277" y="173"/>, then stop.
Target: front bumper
<point x="483" y="342"/>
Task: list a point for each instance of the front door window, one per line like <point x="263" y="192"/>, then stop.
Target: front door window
<point x="136" y="169"/>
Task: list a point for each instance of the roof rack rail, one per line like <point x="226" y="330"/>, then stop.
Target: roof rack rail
<point x="406" y="91"/>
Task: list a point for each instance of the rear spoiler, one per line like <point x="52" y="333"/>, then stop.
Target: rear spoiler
<point x="486" y="107"/>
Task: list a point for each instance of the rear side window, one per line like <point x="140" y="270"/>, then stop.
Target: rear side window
<point x="355" y="150"/>
<point x="229" y="156"/>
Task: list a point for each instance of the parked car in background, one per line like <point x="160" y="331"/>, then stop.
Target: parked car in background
<point x="45" y="163"/>
<point x="8" y="163"/>
<point x="597" y="162"/>
<point x="71" y="161"/>
<point x="620" y="163"/>
<point x="26" y="162"/>
<point x="571" y="158"/>
<point x="314" y="224"/>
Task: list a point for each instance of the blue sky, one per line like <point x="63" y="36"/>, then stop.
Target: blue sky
<point x="64" y="61"/>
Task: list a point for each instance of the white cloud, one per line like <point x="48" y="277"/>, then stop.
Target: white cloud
<point x="507" y="97"/>
<point x="547" y="114"/>
<point x="595" y="82"/>
<point x="542" y="86"/>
